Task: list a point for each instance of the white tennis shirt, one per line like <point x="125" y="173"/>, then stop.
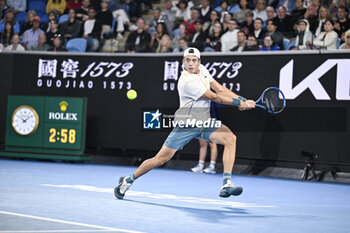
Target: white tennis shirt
<point x="191" y="87"/>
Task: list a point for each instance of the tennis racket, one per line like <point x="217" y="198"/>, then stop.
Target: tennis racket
<point x="272" y="100"/>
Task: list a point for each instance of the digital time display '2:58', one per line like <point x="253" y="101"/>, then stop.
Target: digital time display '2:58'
<point x="63" y="135"/>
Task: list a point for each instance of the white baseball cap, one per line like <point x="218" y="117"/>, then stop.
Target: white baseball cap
<point x="192" y="52"/>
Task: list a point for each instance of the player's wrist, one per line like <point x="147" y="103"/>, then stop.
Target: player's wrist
<point x="236" y="102"/>
<point x="242" y="98"/>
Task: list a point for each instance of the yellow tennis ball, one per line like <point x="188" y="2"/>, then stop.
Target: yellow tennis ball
<point x="131" y="94"/>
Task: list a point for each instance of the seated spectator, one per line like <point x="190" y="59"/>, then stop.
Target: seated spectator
<point x="227" y="18"/>
<point x="3" y="8"/>
<point x="304" y="36"/>
<point x="183" y="13"/>
<point x="271" y="14"/>
<point x="158" y="17"/>
<point x="213" y="43"/>
<point x="241" y="37"/>
<point x="17" y="5"/>
<point x="259" y="32"/>
<point x="182" y="34"/>
<point x="205" y="10"/>
<point x="239" y="15"/>
<point x="297" y="12"/>
<point x="252" y="44"/>
<point x="170" y="14"/>
<point x="164" y="45"/>
<point x="229" y="38"/>
<point x="284" y="23"/>
<point x="10" y="16"/>
<point x="72" y="27"/>
<point x="82" y="12"/>
<point x="41" y="46"/>
<point x="105" y="16"/>
<point x="248" y="25"/>
<point x="73" y="4"/>
<point x="53" y="33"/>
<point x="268" y="44"/>
<point x="161" y="31"/>
<point x="58" y="45"/>
<point x="122" y="19"/>
<point x="198" y="37"/>
<point x="289" y="5"/>
<point x="328" y="38"/>
<point x="275" y="35"/>
<point x="260" y="10"/>
<point x="31" y="36"/>
<point x="339" y="3"/>
<point x="346" y="44"/>
<point x="225" y="7"/>
<point x="59" y="6"/>
<point x="311" y="16"/>
<point x="323" y="14"/>
<point x="92" y="28"/>
<point x="29" y="22"/>
<point x="51" y="16"/>
<point x="6" y="36"/>
<point x="190" y="24"/>
<point x="15" y="46"/>
<point x="138" y="41"/>
<point x="208" y="27"/>
<point x="182" y="46"/>
<point x="342" y="24"/>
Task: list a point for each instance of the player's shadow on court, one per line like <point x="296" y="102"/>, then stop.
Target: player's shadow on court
<point x="211" y="215"/>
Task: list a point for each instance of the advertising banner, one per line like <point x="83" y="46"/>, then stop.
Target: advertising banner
<point x="316" y="86"/>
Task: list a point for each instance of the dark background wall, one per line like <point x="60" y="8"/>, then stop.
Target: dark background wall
<point x="308" y="123"/>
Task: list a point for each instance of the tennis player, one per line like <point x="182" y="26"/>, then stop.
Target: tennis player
<point x="195" y="95"/>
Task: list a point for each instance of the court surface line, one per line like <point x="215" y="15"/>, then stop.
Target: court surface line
<point x="38" y="231"/>
<point x="67" y="222"/>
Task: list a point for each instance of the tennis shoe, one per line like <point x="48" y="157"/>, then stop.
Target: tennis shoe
<point x="229" y="189"/>
<point x="197" y="169"/>
<point x="123" y="186"/>
<point x="209" y="170"/>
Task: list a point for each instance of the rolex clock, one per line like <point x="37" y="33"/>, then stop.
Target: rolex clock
<point x="46" y="127"/>
<point x="25" y="120"/>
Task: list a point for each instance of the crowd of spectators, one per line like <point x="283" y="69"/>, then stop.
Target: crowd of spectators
<point x="209" y="25"/>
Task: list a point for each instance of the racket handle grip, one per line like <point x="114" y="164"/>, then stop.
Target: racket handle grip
<point x="260" y="106"/>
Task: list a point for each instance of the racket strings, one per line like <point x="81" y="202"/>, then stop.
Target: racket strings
<point x="272" y="101"/>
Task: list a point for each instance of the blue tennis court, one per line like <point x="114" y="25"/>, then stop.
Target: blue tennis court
<point x="57" y="197"/>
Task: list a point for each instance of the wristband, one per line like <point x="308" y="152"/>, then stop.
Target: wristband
<point x="242" y="98"/>
<point x="236" y="102"/>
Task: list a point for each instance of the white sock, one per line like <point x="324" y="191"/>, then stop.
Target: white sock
<point x="212" y="164"/>
<point x="201" y="163"/>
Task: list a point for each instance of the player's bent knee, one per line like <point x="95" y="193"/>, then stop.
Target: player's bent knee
<point x="230" y="139"/>
<point x="161" y="160"/>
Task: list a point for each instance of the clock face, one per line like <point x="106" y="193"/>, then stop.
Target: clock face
<point x="25" y="120"/>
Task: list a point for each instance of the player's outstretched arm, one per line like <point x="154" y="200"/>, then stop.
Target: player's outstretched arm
<point x="223" y="91"/>
<point x="223" y="98"/>
<point x="218" y="88"/>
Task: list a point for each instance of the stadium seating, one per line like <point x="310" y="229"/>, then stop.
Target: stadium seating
<point x="338" y="43"/>
<point x="76" y="45"/>
<point x="63" y="18"/>
<point x="292" y="43"/>
<point x="38" y="6"/>
<point x="44" y="19"/>
<point x="21" y="17"/>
